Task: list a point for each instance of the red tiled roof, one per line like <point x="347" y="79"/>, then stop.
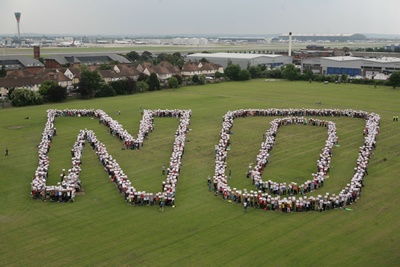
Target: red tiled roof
<point x="190" y="66"/>
<point x="20" y="82"/>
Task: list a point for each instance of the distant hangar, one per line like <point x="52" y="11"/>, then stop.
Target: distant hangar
<point x="344" y="37"/>
<point x="242" y="59"/>
<point x="242" y="39"/>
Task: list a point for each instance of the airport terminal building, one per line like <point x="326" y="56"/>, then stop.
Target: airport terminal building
<point x="352" y="66"/>
<point x="242" y="59"/>
<point x="344" y="37"/>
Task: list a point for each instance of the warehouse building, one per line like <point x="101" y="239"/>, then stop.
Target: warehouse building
<point x="352" y="66"/>
<point x="75" y="60"/>
<point x="344" y="37"/>
<point x="242" y="59"/>
<point x="20" y="62"/>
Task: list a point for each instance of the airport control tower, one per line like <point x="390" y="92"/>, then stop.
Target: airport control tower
<point x="18" y="17"/>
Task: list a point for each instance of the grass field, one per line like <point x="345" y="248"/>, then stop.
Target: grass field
<point x="203" y="230"/>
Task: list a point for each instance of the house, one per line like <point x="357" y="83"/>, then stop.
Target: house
<point x="60" y="78"/>
<point x="190" y="69"/>
<point x="108" y="75"/>
<point x="31" y="83"/>
<point x="125" y="72"/>
<point x="209" y="69"/>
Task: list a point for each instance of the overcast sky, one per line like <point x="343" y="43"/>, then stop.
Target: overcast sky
<point x="136" y="17"/>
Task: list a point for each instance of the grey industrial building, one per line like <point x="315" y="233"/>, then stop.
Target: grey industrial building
<point x="20" y="62"/>
<point x="352" y="66"/>
<point x="242" y="59"/>
<point x="344" y="37"/>
<point x="75" y="60"/>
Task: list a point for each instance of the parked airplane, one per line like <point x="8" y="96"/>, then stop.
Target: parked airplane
<point x="138" y="43"/>
<point x="123" y="41"/>
<point x="68" y="44"/>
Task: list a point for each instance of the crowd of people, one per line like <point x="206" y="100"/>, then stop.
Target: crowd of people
<point x="70" y="183"/>
<point x="285" y="194"/>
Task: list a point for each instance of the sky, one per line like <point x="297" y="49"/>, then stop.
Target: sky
<point x="174" y="17"/>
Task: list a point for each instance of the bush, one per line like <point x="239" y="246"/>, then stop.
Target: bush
<point x="173" y="82"/>
<point x="105" y="90"/>
<point x="232" y="72"/>
<point x="142" y="86"/>
<point x="244" y="75"/>
<point x="195" y="78"/>
<point x="179" y="78"/>
<point x="218" y="74"/>
<point x="25" y="97"/>
<point x="57" y="94"/>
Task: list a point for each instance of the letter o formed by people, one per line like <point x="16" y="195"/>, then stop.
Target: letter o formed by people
<point x="65" y="190"/>
<point x="270" y="195"/>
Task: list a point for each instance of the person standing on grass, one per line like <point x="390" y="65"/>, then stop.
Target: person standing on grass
<point x="161" y="206"/>
<point x="163" y="170"/>
<point x="209" y="186"/>
<point x="6" y="151"/>
<point x="245" y="207"/>
<point x="230" y="174"/>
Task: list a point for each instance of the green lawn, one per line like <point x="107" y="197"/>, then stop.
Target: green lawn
<point x="203" y="230"/>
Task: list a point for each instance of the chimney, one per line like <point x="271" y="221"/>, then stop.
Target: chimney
<point x="290" y="44"/>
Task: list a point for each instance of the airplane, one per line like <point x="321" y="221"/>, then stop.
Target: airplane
<point x="123" y="41"/>
<point x="138" y="43"/>
<point x="68" y="44"/>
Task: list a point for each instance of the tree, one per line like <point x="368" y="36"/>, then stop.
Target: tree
<point x="218" y="74"/>
<point x="142" y="86"/>
<point x="291" y="73"/>
<point x="308" y="74"/>
<point x="179" y="78"/>
<point x="394" y="79"/>
<point x="105" y="66"/>
<point x="25" y="97"/>
<point x="344" y="77"/>
<point x="89" y="83"/>
<point x="397" y="49"/>
<point x="195" y="79"/>
<point x="173" y="82"/>
<point x="161" y="56"/>
<point x="142" y="77"/>
<point x="10" y="91"/>
<point x="3" y="72"/>
<point x="202" y="80"/>
<point x="244" y="75"/>
<point x="177" y="54"/>
<point x="105" y="90"/>
<point x="262" y="67"/>
<point x="146" y="55"/>
<point x="131" y="85"/>
<point x="204" y="60"/>
<point x="255" y="72"/>
<point x="232" y="72"/>
<point x="133" y="56"/>
<point x="57" y="93"/>
<point x="153" y="82"/>
<point x="229" y="62"/>
<point x="45" y="86"/>
<point x="119" y="87"/>
<point x="248" y="65"/>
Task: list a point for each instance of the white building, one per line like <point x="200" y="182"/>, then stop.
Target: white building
<point x="242" y="59"/>
<point x="352" y="66"/>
